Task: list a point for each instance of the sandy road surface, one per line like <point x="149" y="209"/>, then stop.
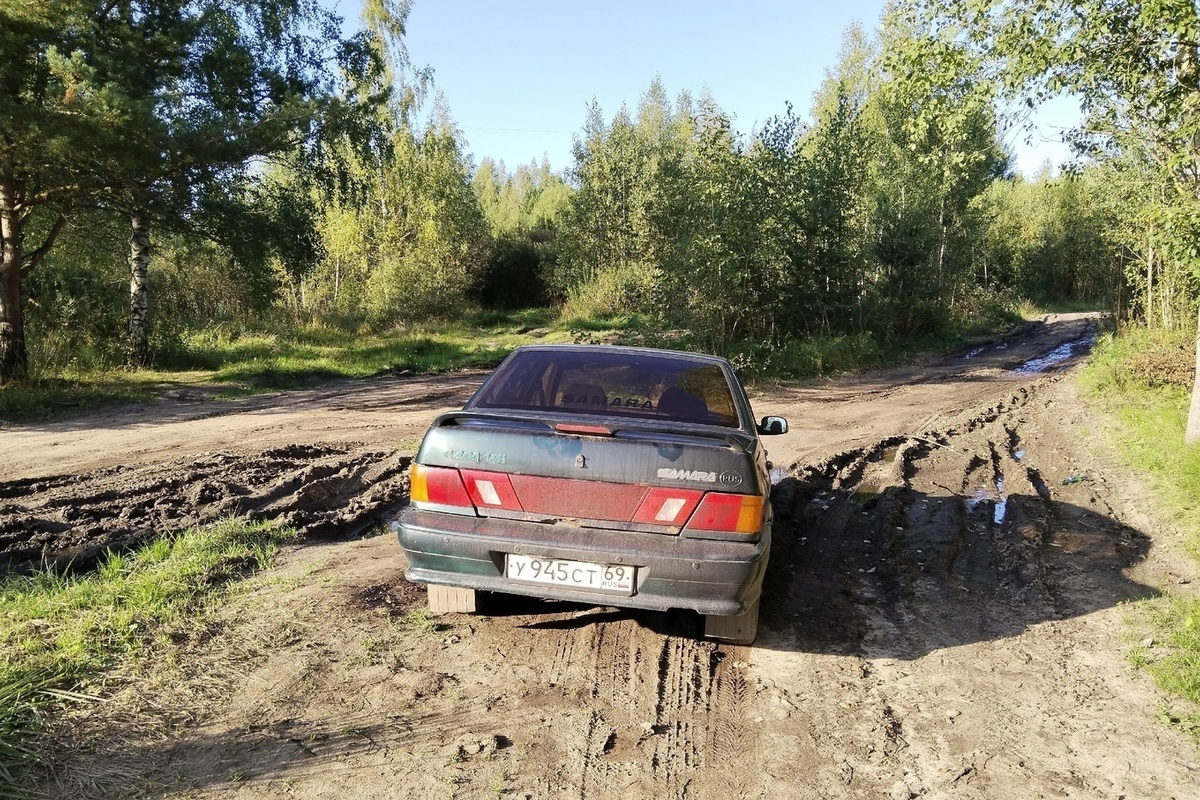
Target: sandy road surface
<point x="941" y="616"/>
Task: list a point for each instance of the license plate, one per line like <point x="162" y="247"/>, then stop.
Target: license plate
<point x="616" y="578"/>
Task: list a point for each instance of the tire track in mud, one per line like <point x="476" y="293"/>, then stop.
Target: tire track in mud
<point x="320" y="490"/>
<point x="953" y="519"/>
<point x="922" y="545"/>
<point x="686" y="670"/>
<point x="656" y="705"/>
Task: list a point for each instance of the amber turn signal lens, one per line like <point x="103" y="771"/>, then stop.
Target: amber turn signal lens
<point x="440" y="486"/>
<point x="418" y="485"/>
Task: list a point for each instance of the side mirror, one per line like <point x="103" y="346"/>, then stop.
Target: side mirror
<point x="772" y="426"/>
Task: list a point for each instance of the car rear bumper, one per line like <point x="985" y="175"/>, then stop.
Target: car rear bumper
<point x="708" y="576"/>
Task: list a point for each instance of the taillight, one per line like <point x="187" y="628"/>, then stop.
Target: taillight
<point x="728" y="513"/>
<point x="667" y="506"/>
<point x="438" y="486"/>
<point x="491" y="490"/>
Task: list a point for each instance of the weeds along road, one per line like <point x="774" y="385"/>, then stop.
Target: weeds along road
<point x="941" y="617"/>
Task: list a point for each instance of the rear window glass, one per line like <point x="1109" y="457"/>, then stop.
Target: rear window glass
<point x="613" y="383"/>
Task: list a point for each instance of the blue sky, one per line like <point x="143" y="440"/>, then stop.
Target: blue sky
<point x="518" y="75"/>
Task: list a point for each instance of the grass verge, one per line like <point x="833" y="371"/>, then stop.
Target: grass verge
<point x="240" y="359"/>
<point x="42" y="398"/>
<point x="62" y="636"/>
<point x="290" y="358"/>
<point x="1171" y="654"/>
<point x="1142" y="380"/>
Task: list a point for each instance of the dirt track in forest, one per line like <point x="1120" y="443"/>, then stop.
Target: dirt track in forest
<point x="941" y="615"/>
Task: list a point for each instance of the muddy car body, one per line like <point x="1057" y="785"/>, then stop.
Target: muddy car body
<point x="606" y="475"/>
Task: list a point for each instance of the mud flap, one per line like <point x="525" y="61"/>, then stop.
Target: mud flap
<point x="451" y="599"/>
<point x="736" y="629"/>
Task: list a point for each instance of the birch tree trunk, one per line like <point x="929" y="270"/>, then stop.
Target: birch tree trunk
<point x="1193" y="425"/>
<point x="1150" y="286"/>
<point x="139" y="290"/>
<point x="943" y="234"/>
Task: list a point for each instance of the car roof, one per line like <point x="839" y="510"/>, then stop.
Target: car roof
<point x="614" y="348"/>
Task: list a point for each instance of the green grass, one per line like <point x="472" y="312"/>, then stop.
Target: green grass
<point x="815" y="356"/>
<point x="1136" y="378"/>
<point x="1051" y="306"/>
<point x="810" y="357"/>
<point x="291" y="357"/>
<point x="240" y="360"/>
<point x="228" y="360"/>
<point x="44" y="398"/>
<point x="1171" y="654"/>
<point x="62" y="636"/>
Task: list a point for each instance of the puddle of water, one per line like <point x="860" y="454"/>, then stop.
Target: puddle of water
<point x="1056" y="356"/>
<point x="1019" y="455"/>
<point x="778" y="474"/>
<point x="975" y="352"/>
<point x="864" y="492"/>
<point x="888" y="456"/>
<point x="999" y="499"/>
<point x="974" y="500"/>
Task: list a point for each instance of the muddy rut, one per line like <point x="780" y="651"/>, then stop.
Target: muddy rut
<point x="942" y="617"/>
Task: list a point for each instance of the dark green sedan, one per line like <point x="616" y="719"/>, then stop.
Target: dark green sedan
<point x="615" y="476"/>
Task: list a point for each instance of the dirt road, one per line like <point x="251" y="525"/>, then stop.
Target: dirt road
<point x="941" y="617"/>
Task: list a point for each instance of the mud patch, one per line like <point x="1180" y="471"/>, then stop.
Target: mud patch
<point x="914" y="544"/>
<point x="323" y="491"/>
<point x="1058" y="355"/>
<point x="395" y="598"/>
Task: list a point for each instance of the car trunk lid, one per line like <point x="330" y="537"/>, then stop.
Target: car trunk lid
<point x="616" y="475"/>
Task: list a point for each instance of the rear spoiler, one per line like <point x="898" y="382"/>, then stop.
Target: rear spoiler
<point x="616" y="427"/>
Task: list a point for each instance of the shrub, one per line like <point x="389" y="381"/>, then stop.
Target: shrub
<point x="617" y="290"/>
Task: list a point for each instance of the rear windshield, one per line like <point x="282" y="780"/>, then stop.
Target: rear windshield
<point x="615" y="384"/>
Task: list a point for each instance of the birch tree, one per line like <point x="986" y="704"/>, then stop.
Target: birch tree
<point x="1135" y="67"/>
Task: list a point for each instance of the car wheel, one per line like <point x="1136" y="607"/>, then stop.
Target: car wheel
<point x="736" y="628"/>
<point x="451" y="599"/>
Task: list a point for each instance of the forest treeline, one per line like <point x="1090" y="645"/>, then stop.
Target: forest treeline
<point x="341" y="195"/>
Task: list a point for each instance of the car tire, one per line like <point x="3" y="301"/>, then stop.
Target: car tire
<point x="736" y="628"/>
<point x="451" y="600"/>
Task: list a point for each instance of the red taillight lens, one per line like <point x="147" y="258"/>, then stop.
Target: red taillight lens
<point x="728" y="513"/>
<point x="439" y="486"/>
<point x="491" y="490"/>
<point x="667" y="506"/>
